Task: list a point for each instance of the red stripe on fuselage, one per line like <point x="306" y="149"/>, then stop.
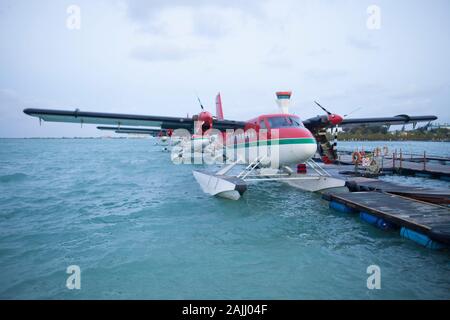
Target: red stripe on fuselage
<point x="254" y="124"/>
<point x="294" y="133"/>
<point x="283" y="133"/>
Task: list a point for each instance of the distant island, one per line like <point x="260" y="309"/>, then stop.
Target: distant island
<point x="360" y="133"/>
<point x="79" y="138"/>
<point x="381" y="133"/>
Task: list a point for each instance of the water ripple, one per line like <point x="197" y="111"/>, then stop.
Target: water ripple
<point x="140" y="227"/>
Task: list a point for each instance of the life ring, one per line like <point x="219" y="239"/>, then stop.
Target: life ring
<point x="356" y="157"/>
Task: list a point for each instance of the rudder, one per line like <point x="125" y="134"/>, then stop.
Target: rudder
<point x="219" y="111"/>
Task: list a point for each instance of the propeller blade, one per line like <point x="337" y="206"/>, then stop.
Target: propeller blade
<point x="201" y="106"/>
<point x="336" y="130"/>
<point x="328" y="112"/>
<point x="345" y="115"/>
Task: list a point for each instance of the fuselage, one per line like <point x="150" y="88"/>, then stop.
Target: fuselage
<point x="282" y="137"/>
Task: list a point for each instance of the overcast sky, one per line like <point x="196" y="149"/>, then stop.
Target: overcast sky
<point x="153" y="57"/>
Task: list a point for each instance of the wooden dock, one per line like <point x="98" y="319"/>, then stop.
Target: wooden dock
<point x="425" y="223"/>
<point x="426" y="167"/>
<point x="433" y="195"/>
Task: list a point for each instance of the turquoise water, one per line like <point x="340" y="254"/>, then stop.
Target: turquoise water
<point x="407" y="147"/>
<point x="140" y="227"/>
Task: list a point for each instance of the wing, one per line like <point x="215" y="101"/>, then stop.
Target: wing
<point x="400" y="119"/>
<point x="319" y="125"/>
<point x="119" y="120"/>
<point x="323" y="122"/>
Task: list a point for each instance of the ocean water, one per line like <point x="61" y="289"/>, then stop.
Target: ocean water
<point x="407" y="147"/>
<point x="140" y="227"/>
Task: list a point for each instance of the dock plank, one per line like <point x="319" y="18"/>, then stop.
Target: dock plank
<point x="433" y="195"/>
<point x="388" y="164"/>
<point x="426" y="218"/>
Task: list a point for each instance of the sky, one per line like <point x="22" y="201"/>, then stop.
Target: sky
<point x="155" y="57"/>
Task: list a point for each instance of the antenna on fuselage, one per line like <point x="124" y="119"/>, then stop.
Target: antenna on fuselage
<point x="283" y="100"/>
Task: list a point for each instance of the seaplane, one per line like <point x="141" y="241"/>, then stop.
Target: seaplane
<point x="269" y="147"/>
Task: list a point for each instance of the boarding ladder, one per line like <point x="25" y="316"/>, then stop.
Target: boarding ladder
<point x="249" y="169"/>
<point x="317" y="168"/>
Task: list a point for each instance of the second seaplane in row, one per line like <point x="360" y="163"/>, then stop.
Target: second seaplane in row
<point x="267" y="146"/>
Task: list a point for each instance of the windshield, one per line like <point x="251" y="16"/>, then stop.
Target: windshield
<point x="285" y="122"/>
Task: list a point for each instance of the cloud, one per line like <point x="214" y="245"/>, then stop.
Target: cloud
<point x="321" y="74"/>
<point x="163" y="52"/>
<point x="200" y="17"/>
<point x="278" y="62"/>
<point x="16" y="124"/>
<point x="182" y="32"/>
<point x="277" y="57"/>
<point x="12" y="120"/>
<point x="361" y="44"/>
<point x="144" y="50"/>
<point x="412" y="92"/>
<point x="319" y="52"/>
<point x="141" y="10"/>
<point x="415" y="98"/>
<point x="10" y="104"/>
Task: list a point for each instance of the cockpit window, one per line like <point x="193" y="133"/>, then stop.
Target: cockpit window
<point x="285" y="122"/>
<point x="262" y="125"/>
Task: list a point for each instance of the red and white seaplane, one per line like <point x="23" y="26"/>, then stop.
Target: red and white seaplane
<point x="267" y="145"/>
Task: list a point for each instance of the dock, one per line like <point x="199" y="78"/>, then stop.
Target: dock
<point x="425" y="223"/>
<point x="432" y="195"/>
<point x="428" y="166"/>
<point x="419" y="213"/>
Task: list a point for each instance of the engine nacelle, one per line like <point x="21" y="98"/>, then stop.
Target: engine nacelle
<point x="335" y="119"/>
<point x="205" y="122"/>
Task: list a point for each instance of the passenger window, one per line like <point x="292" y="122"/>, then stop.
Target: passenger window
<point x="262" y="125"/>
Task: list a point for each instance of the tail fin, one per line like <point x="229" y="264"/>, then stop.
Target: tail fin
<point x="219" y="111"/>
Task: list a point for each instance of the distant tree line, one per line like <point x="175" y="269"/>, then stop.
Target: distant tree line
<point x="373" y="133"/>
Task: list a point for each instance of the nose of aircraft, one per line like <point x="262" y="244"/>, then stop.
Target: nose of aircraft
<point x="308" y="145"/>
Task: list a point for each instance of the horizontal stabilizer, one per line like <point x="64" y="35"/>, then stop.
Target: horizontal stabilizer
<point x="132" y="130"/>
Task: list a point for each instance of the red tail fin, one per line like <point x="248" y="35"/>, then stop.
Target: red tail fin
<point x="219" y="111"/>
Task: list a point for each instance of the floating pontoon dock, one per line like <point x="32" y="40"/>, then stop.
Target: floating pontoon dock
<point x="425" y="223"/>
<point x="407" y="164"/>
<point x="438" y="196"/>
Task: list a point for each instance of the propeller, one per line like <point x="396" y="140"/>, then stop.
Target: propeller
<point x="320" y="106"/>
<point x="335" y="120"/>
